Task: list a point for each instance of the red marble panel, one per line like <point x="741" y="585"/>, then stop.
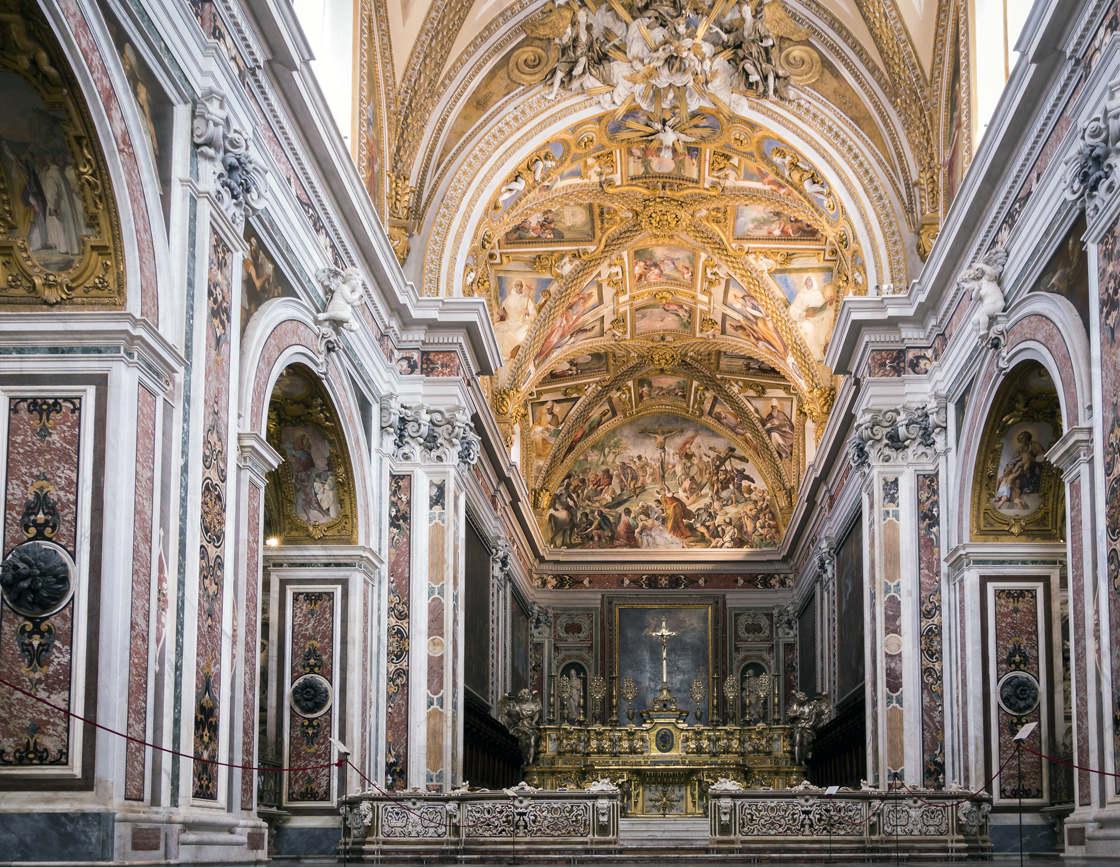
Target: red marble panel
<point x="42" y="471"/>
<point x="252" y="650"/>
<point x="397" y="628"/>
<point x="213" y="498"/>
<point x="439" y="364"/>
<point x="1080" y="652"/>
<point x="312" y="652"/>
<point x="1108" y="259"/>
<point x="886" y="363"/>
<point x="141" y="593"/>
<point x="37" y="654"/>
<point x="930" y="622"/>
<point x="1017" y="648"/>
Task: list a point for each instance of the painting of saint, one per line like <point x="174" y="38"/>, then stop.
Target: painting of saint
<point x="1067" y="272"/>
<point x="731" y="363"/>
<point x="663" y="265"/>
<point x="588" y="364"/>
<point x="1019" y="484"/>
<point x="667" y="316"/>
<point x="156" y="111"/>
<point x="43" y="183"/>
<point x="260" y="280"/>
<point x="551" y="225"/>
<point x="777" y="424"/>
<point x="565" y="332"/>
<point x="766" y="221"/>
<point x="661" y="482"/>
<point x="813" y="311"/>
<point x="546" y="420"/>
<point x="308" y="454"/>
<point x="657" y="161"/>
<point x="849" y="610"/>
<point x="519" y="294"/>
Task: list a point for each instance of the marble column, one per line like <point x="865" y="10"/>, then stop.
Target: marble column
<point x="900" y="452"/>
<point x="431" y="447"/>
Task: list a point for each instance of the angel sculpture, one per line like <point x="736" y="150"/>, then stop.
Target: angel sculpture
<point x="521" y="714"/>
<point x="805" y="716"/>
<point x="983" y="279"/>
<point x="571" y="35"/>
<point x="345" y="289"/>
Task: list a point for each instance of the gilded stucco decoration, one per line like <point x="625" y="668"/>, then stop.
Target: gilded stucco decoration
<point x="312" y="492"/>
<point x="60" y="239"/>
<point x="1016" y="492"/>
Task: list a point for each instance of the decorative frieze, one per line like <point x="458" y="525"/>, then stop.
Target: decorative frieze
<point x="429" y="435"/>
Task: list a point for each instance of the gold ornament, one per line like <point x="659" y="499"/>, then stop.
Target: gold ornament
<point x="398" y="239"/>
<point x="660" y="215"/>
<point x="662" y="357"/>
<point x="400" y="197"/>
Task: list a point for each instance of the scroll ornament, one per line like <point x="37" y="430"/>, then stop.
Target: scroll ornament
<point x="429" y="435"/>
<point x="1091" y="174"/>
<point x="240" y="183"/>
<point x="898" y="435"/>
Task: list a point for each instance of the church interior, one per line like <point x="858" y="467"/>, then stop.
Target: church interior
<point x="586" y="430"/>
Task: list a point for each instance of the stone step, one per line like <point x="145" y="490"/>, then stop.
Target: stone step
<point x="659" y="833"/>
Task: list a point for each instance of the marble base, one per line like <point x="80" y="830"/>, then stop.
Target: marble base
<point x="1036" y="838"/>
<point x="308" y="842"/>
<point x="56" y="836"/>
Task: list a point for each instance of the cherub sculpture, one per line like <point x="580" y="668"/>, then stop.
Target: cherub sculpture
<point x="983" y="279"/>
<point x="345" y="289"/>
<point x="521" y="714"/>
<point x="805" y="716"/>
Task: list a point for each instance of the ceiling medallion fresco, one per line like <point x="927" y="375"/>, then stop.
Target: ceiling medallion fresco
<point x="698" y="281"/>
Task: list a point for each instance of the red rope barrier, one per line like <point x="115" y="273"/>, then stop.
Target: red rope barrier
<point x="1069" y="764"/>
<point x="168" y="750"/>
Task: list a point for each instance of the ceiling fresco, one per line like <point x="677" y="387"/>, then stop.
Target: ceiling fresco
<point x="664" y="203"/>
<point x="692" y="284"/>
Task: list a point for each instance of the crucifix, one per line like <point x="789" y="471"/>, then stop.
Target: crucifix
<point x="664" y="634"/>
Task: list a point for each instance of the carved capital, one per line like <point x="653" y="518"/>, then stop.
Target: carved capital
<point x="893" y="436"/>
<point x="1090" y="174"/>
<point x="428" y="435"/>
<point x="826" y="560"/>
<point x="501" y="563"/>
<point x="239" y="183"/>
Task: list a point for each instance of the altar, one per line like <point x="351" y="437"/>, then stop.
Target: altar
<point x="664" y="766"/>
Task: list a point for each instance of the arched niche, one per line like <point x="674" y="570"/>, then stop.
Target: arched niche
<point x="311" y="498"/>
<point x="60" y="234"/>
<point x="1016" y="493"/>
<point x="755" y="693"/>
<point x="573" y="699"/>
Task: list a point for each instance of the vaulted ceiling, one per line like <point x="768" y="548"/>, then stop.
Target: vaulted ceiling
<point x="664" y="203"/>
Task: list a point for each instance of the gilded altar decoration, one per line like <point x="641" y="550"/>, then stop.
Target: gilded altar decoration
<point x="60" y="238"/>
<point x="1016" y="492"/>
<point x="313" y="490"/>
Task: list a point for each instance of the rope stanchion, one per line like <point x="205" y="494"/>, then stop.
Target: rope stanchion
<point x="162" y="749"/>
<point x="919" y="798"/>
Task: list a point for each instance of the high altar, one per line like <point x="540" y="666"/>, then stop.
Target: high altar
<point x="663" y="766"/>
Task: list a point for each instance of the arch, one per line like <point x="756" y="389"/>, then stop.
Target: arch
<point x="758" y="669"/>
<point x="117" y="122"/>
<point x="1040" y="329"/>
<point x="283" y="332"/>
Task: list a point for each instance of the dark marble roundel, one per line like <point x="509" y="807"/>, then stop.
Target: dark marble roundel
<point x="664" y="740"/>
<point x="36" y="579"/>
<point x="311" y="695"/>
<point x="1018" y="693"/>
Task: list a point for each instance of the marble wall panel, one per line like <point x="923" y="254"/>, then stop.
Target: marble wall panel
<point x="398" y="630"/>
<point x="886" y="363"/>
<point x="213" y="497"/>
<point x="634" y="581"/>
<point x="311" y="666"/>
<point x="41" y="500"/>
<point x="1108" y="260"/>
<point x="930" y="623"/>
<point x="437" y="638"/>
<point x="251" y="647"/>
<point x="141" y="593"/>
<point x="1080" y="652"/>
<point x="1015" y="685"/>
<point x="893" y="632"/>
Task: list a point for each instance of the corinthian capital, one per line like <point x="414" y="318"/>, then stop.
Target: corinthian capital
<point x="892" y="436"/>
<point x="239" y="183"/>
